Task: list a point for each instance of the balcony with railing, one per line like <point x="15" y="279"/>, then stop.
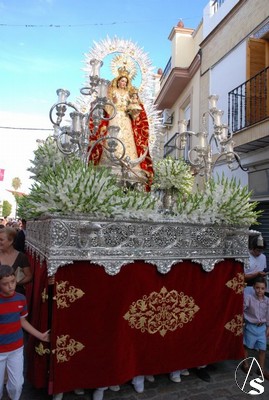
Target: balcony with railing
<point x="167" y="70"/>
<point x="171" y="145"/>
<point x="248" y="104"/>
<point x="216" y="5"/>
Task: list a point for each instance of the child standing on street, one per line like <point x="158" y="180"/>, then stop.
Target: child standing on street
<point x="13" y="312"/>
<point x="256" y="329"/>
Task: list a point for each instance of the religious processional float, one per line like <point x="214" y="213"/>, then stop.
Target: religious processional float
<point x="115" y="212"/>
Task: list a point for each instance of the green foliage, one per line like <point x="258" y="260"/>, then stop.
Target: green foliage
<point x="6" y="208"/>
<point x="134" y="201"/>
<point x="16" y="183"/>
<point x="23" y="210"/>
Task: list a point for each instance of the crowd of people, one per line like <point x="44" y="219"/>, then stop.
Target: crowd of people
<point x="15" y="223"/>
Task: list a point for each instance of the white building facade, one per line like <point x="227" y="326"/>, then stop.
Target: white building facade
<point x="227" y="55"/>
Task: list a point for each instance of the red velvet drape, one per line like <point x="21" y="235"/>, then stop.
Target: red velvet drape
<point x="38" y="365"/>
<point x="94" y="345"/>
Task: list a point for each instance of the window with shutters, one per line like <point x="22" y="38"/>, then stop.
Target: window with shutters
<point x="257" y="85"/>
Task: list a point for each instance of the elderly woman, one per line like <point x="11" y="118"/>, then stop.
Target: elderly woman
<point x="10" y="256"/>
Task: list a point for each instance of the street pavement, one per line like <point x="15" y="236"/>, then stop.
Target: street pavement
<point x="222" y="386"/>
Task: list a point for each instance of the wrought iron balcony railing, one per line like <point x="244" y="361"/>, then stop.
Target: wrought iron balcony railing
<point x="167" y="69"/>
<point x="216" y="5"/>
<point x="248" y="104"/>
<point x="170" y="145"/>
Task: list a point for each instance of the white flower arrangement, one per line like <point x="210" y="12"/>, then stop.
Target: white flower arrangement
<point x="223" y="201"/>
<point x="72" y="187"/>
<point x="67" y="186"/>
<point x="47" y="156"/>
<point x="173" y="174"/>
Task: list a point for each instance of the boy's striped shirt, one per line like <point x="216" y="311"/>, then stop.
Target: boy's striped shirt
<point x="11" y="310"/>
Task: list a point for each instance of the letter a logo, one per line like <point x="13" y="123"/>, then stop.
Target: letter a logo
<point x="247" y="385"/>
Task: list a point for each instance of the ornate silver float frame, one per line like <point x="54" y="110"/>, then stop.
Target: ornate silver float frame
<point x="114" y="243"/>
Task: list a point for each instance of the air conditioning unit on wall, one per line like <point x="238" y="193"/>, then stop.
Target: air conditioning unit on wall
<point x="167" y="117"/>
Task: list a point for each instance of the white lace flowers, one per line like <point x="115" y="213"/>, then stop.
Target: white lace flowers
<point x="65" y="185"/>
<point x="173" y="174"/>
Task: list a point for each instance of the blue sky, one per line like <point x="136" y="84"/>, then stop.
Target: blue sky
<point x="42" y="42"/>
<point x="42" y="48"/>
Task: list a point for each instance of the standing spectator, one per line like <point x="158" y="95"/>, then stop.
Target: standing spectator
<point x="10" y="256"/>
<point x="257" y="262"/>
<point x="13" y="313"/>
<point x="19" y="242"/>
<point x="256" y="329"/>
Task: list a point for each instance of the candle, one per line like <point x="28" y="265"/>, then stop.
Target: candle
<point x="96" y="65"/>
<point x="56" y="131"/>
<point x="76" y="121"/>
<point x="182" y="141"/>
<point x="217" y="117"/>
<point x="229" y="147"/>
<point x="102" y="87"/>
<point x="223" y="133"/>
<point x="202" y="140"/>
<point x="62" y="95"/>
<point x="213" y="98"/>
<point x="182" y="125"/>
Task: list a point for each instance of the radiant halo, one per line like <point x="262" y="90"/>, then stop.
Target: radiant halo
<point x="139" y="60"/>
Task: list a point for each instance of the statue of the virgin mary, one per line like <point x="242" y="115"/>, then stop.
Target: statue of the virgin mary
<point x="131" y="159"/>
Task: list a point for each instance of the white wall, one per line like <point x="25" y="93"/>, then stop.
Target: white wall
<point x="211" y="19"/>
<point x="17" y="149"/>
<point x="229" y="73"/>
<point x="225" y="76"/>
<point x="239" y="174"/>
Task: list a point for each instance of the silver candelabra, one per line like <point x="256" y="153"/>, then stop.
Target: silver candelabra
<point x="201" y="155"/>
<point x="74" y="138"/>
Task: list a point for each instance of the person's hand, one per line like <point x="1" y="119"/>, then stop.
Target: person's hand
<point x="267" y="331"/>
<point x="45" y="336"/>
<point x="261" y="273"/>
<point x="51" y="280"/>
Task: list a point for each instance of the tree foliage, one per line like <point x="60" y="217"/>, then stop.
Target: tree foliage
<point x="6" y="209"/>
<point x="16" y="183"/>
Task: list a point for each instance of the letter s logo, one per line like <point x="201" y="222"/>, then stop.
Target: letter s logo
<point x="245" y="383"/>
<point x="255" y="383"/>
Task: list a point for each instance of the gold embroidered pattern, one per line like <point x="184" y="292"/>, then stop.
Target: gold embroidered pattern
<point x="40" y="349"/>
<point x="66" y="348"/>
<point x="237" y="283"/>
<point x="236" y="325"/>
<point x="44" y="295"/>
<point x="66" y="294"/>
<point x="161" y="312"/>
